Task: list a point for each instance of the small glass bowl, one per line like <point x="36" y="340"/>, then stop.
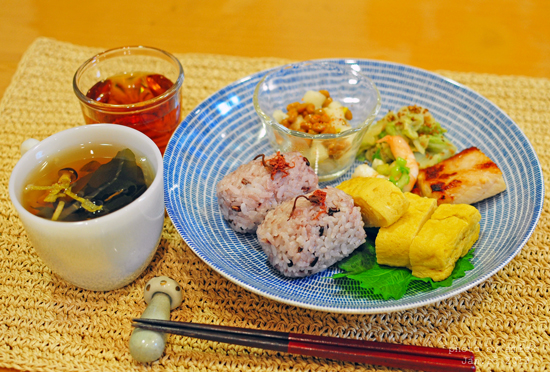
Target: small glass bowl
<point x="330" y="155"/>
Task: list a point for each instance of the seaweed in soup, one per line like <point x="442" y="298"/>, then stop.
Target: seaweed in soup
<point x="98" y="190"/>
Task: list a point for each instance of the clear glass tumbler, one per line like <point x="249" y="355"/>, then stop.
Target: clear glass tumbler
<point x="135" y="86"/>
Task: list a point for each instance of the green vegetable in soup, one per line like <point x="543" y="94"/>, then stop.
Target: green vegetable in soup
<point x="94" y="191"/>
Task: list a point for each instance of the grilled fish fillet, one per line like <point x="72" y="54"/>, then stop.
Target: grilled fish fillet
<point x="465" y="178"/>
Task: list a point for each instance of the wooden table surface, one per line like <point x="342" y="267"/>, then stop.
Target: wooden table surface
<point x="493" y="36"/>
<point x="506" y="37"/>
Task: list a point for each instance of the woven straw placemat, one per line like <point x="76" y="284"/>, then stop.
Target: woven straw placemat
<point x="49" y="325"/>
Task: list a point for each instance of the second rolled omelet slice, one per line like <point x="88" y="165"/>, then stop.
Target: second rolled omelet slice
<point x="393" y="242"/>
<point x="445" y="237"/>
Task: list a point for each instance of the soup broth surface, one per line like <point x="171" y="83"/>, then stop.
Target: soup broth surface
<point x="86" y="182"/>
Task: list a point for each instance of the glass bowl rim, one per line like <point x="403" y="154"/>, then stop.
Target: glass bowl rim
<point x="277" y="126"/>
<point x="124" y="50"/>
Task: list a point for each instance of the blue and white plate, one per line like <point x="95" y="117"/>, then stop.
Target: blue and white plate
<point x="224" y="131"/>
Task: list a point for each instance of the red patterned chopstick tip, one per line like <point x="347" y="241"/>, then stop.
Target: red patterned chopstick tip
<point x="383" y="346"/>
<point x="382" y="358"/>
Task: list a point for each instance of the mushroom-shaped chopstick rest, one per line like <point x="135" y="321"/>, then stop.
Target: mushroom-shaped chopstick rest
<point x="162" y="294"/>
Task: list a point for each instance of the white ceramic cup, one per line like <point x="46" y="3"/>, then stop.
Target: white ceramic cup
<point x="107" y="252"/>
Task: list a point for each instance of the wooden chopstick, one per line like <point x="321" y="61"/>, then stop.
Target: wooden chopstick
<point x="359" y="351"/>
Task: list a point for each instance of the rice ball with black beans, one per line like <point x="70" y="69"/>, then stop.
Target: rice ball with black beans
<point x="306" y="235"/>
<point x="248" y="193"/>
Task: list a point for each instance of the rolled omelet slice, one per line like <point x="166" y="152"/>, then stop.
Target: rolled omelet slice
<point x="393" y="242"/>
<point x="381" y="202"/>
<point x="445" y="237"/>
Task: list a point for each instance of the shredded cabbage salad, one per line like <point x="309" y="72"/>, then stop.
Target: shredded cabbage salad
<point x="418" y="127"/>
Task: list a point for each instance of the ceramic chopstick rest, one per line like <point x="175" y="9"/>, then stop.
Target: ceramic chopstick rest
<point x="162" y="294"/>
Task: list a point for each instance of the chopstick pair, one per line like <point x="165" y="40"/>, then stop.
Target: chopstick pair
<point x="358" y="351"/>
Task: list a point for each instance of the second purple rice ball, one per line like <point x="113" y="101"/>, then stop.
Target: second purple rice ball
<point x="306" y="235"/>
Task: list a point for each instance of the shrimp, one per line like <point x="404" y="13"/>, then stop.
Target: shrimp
<point x="400" y="148"/>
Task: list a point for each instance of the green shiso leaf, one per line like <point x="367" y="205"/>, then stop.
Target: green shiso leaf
<point x="391" y="282"/>
<point x="385" y="281"/>
<point x="363" y="259"/>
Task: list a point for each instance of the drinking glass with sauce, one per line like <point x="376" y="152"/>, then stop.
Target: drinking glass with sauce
<point x="134" y="86"/>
